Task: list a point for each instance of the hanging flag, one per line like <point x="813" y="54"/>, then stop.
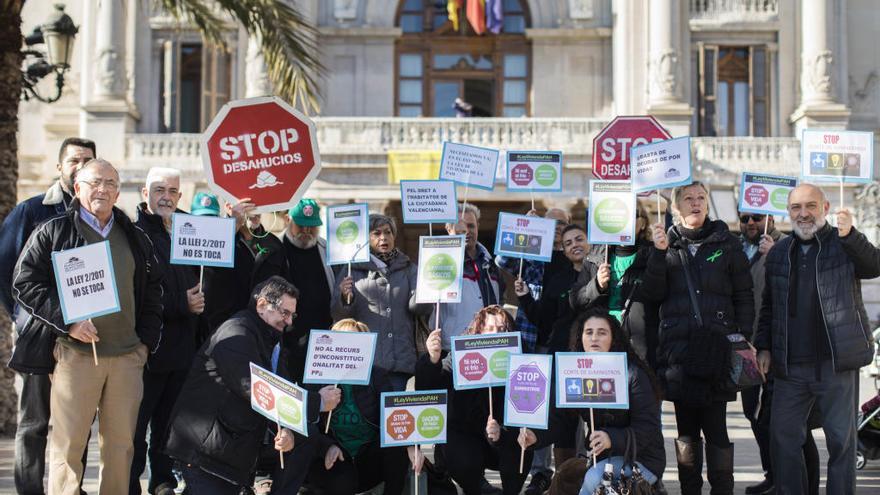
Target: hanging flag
<point x="495" y="15"/>
<point x="452" y="7"/>
<point x="476" y="15"/>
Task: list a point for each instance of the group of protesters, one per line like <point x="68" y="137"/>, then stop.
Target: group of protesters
<point x="170" y="386"/>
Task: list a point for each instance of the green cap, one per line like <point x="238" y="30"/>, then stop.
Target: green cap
<point x="205" y="204"/>
<point x="306" y="213"/>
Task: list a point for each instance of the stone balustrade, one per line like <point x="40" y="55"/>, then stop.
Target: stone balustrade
<point x="746" y="10"/>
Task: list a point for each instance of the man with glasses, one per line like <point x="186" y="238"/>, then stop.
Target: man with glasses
<point x="302" y="262"/>
<point x="80" y="388"/>
<point x="33" y="406"/>
<point x="214" y="431"/>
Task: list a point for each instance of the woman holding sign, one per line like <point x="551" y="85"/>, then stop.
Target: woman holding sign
<point x="382" y="294"/>
<point x="350" y="459"/>
<point x="598" y="331"/>
<point x="699" y="264"/>
<point x="476" y="441"/>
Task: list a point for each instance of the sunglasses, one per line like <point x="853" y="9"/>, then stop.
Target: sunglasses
<point x="755" y="218"/>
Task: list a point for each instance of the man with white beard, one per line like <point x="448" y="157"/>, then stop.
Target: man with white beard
<point x="301" y="262"/>
<point x="814" y="325"/>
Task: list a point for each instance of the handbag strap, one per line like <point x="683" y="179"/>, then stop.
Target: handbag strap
<point x="630" y="451"/>
<point x="690" y="283"/>
<point x="628" y="304"/>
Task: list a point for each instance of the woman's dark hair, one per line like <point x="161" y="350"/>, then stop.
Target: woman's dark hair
<point x="573" y="226"/>
<point x="619" y="342"/>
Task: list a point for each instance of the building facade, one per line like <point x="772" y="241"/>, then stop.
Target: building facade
<point x="742" y="77"/>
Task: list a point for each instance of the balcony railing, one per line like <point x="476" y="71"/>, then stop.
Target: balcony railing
<point x="734" y="10"/>
<point x="349" y="141"/>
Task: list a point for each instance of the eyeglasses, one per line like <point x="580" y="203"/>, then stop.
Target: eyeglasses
<point x="755" y="218"/>
<point x="284" y="313"/>
<point x="109" y="184"/>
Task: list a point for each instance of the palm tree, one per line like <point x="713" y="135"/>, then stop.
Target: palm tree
<point x="289" y="48"/>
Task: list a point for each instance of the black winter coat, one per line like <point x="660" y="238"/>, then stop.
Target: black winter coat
<point x="180" y="326"/>
<point x="724" y="291"/>
<point x="212" y="424"/>
<point x="642" y="320"/>
<point x="468" y="410"/>
<point x="643" y="416"/>
<point x="552" y="314"/>
<point x="840" y="263"/>
<point x="33" y="286"/>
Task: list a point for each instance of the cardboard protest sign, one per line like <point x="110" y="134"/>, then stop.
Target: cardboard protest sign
<point x="202" y="240"/>
<point x="534" y="171"/>
<point x="340" y="357"/>
<point x="837" y="155"/>
<point x="592" y="380"/>
<point x="480" y="361"/>
<point x="612" y="213"/>
<point x="413" y="418"/>
<point x="661" y="164"/>
<point x="348" y="234"/>
<point x="428" y="201"/>
<point x="527" y="395"/>
<point x="523" y="236"/>
<point x="441" y="260"/>
<point x="278" y="400"/>
<point x="469" y="165"/>
<point x="765" y="194"/>
<point x="85" y="282"/>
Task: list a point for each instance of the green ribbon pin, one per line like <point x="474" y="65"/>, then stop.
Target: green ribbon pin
<point x="714" y="256"/>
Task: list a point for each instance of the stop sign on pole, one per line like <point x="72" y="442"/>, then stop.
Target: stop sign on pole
<point x="263" y="149"/>
<point x="612" y="145"/>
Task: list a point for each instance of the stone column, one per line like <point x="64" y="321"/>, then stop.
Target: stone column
<point x="256" y="75"/>
<point x="629" y="33"/>
<point x="110" y="77"/>
<point x="822" y="33"/>
<point x="665" y="67"/>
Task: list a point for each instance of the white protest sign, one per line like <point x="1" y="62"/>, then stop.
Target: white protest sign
<point x="278" y="400"/>
<point x="85" y="282"/>
<point x="428" y="201"/>
<point x="469" y="165"/>
<point x="441" y="261"/>
<point x="202" y="240"/>
<point x="592" y="380"/>
<point x="612" y="213"/>
<point x="413" y="418"/>
<point x="661" y="164"/>
<point x="534" y="171"/>
<point x="348" y="234"/>
<point x="480" y="361"/>
<point x="765" y="194"/>
<point x="523" y="236"/>
<point x="527" y="395"/>
<point x="837" y="155"/>
<point x="340" y="357"/>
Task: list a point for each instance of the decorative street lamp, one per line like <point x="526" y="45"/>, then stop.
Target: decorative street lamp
<point x="58" y="33"/>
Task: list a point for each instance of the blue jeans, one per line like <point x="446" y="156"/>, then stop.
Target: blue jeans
<point x="199" y="482"/>
<point x="593" y="478"/>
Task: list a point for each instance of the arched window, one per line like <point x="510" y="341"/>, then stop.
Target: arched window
<point x="437" y="63"/>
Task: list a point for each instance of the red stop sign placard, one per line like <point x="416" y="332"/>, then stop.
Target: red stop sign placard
<point x="263" y="395"/>
<point x="756" y="195"/>
<point x="263" y="149"/>
<point x="473" y="366"/>
<point x="612" y="145"/>
<point x="400" y="424"/>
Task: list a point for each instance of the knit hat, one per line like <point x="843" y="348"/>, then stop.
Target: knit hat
<point x="205" y="204"/>
<point x="306" y="213"/>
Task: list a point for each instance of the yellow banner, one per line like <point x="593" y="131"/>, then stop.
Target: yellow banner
<point x="413" y="165"/>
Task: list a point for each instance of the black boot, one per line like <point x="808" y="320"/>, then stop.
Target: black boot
<point x="719" y="468"/>
<point x="762" y="488"/>
<point x="689" y="454"/>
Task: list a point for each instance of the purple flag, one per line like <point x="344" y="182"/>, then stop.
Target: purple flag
<point x="495" y="15"/>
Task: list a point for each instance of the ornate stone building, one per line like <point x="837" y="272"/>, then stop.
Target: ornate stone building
<point x="740" y="76"/>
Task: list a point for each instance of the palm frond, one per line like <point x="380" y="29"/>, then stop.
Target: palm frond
<point x="289" y="42"/>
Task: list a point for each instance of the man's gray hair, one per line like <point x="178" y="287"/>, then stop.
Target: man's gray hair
<point x="377" y="220"/>
<point x="273" y="289"/>
<point x="465" y="208"/>
<point x="94" y="162"/>
<point x="156" y="174"/>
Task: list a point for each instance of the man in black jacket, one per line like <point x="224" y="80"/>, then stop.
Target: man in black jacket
<point x="123" y="339"/>
<point x="813" y="321"/>
<point x="166" y="369"/>
<point x="33" y="406"/>
<point x="214" y="431"/>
